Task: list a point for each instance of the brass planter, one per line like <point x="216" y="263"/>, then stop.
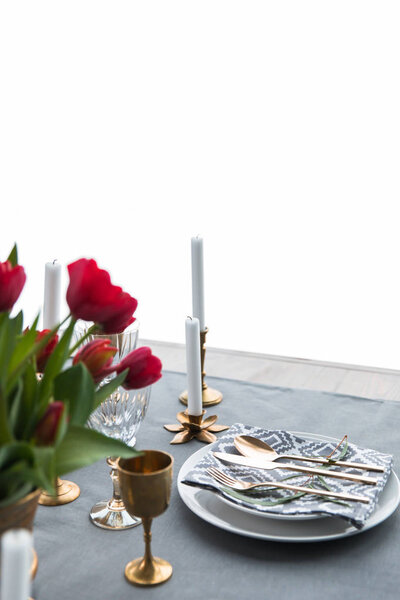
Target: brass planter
<point x="21" y="514"/>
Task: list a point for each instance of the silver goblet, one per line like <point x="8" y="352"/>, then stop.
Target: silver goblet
<point x="119" y="417"/>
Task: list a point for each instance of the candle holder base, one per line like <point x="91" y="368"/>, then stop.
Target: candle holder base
<point x="66" y="491"/>
<point x="210" y="397"/>
<point x="193" y="426"/>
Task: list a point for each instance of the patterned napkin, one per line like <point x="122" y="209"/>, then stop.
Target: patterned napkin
<point x="270" y="501"/>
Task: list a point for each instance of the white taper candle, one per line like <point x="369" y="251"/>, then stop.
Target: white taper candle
<point x="52" y="295"/>
<point x="198" y="281"/>
<point x="193" y="365"/>
<point x="16" y="559"/>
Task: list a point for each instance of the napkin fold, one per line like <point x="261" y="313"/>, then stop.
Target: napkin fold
<point x="272" y="501"/>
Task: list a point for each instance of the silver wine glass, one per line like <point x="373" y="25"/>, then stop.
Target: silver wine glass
<point x="119" y="417"/>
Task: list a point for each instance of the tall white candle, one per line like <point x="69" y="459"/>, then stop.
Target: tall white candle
<point x="52" y="295"/>
<point x="16" y="559"/>
<point x="193" y="365"/>
<point x="198" y="281"/>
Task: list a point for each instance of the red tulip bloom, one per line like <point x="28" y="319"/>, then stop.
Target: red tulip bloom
<point x="144" y="368"/>
<point x="44" y="354"/>
<point x="97" y="356"/>
<point x="47" y="428"/>
<point x="12" y="280"/>
<point x="92" y="297"/>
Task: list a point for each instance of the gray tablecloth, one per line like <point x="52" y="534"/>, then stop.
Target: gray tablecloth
<point x="80" y="561"/>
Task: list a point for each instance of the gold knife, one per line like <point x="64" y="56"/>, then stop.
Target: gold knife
<point x="257" y="463"/>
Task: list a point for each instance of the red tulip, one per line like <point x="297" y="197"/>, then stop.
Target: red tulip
<point x="12" y="280"/>
<point x="97" y="357"/>
<point x="144" y="368"/>
<point x="47" y="428"/>
<point x="92" y="297"/>
<point x="44" y="354"/>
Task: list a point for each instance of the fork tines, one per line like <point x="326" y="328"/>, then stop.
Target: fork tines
<point x="220" y="476"/>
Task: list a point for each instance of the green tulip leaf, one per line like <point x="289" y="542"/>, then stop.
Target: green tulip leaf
<point x="25" y="427"/>
<point x="45" y="467"/>
<point x="55" y="364"/>
<point x="82" y="447"/>
<point x="16" y="414"/>
<point x="19" y="491"/>
<point x="106" y="390"/>
<point x="75" y="387"/>
<point x="13" y="256"/>
<point x="24" y="345"/>
<point x="15" y="451"/>
<point x="17" y="472"/>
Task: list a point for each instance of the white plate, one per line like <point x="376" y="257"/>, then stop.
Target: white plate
<point x="210" y="507"/>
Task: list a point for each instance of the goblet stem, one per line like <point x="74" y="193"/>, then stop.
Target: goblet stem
<point x="112" y="514"/>
<point x="148" y="570"/>
<point x="148" y="557"/>
<point x="116" y="501"/>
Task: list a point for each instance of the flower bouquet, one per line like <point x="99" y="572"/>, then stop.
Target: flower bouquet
<point x="50" y="382"/>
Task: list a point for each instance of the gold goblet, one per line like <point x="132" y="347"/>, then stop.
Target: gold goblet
<point x="145" y="484"/>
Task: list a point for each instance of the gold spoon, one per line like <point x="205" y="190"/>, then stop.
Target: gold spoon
<point x="253" y="447"/>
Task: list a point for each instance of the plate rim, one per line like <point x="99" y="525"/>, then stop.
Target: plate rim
<point x="186" y="494"/>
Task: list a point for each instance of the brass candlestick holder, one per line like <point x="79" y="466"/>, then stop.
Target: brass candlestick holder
<point x="66" y="491"/>
<point x="209" y="395"/>
<point x="193" y="426"/>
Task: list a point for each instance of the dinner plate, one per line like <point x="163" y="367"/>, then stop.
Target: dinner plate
<point x="210" y="507"/>
<point x="271" y="515"/>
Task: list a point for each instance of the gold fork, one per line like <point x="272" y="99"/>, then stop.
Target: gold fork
<point x="236" y="484"/>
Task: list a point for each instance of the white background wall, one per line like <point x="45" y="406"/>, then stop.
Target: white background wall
<point x="270" y="128"/>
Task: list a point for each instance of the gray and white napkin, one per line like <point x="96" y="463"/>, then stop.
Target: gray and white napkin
<point x="284" y="442"/>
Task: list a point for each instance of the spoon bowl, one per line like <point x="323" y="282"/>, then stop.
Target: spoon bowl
<point x="253" y="447"/>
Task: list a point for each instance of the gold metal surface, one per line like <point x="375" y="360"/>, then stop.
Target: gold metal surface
<point x="191" y="426"/>
<point x="251" y="446"/>
<point x="210" y="397"/>
<point x="236" y="484"/>
<point x="34" y="564"/>
<point x="66" y="491"/>
<point x="260" y="463"/>
<point x="145" y="483"/>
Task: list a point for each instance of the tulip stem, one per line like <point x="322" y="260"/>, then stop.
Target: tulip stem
<point x="82" y="339"/>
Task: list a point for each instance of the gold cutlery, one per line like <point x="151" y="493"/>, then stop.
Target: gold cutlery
<point x="251" y="446"/>
<point x="261" y="463"/>
<point x="235" y="484"/>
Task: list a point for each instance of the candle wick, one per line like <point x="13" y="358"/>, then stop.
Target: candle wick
<point x="189" y="318"/>
<point x="54" y="261"/>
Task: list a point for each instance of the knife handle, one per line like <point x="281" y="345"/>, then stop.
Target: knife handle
<point x="339" y="463"/>
<point x="316" y="492"/>
<point x="326" y="473"/>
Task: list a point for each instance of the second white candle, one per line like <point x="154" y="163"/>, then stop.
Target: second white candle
<point x="198" y="281"/>
<point x="52" y="295"/>
<point x="193" y="366"/>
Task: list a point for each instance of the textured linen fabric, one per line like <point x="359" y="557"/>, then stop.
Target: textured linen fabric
<point x="80" y="561"/>
<point x="285" y="442"/>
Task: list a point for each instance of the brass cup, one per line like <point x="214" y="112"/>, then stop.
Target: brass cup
<point x="145" y="483"/>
